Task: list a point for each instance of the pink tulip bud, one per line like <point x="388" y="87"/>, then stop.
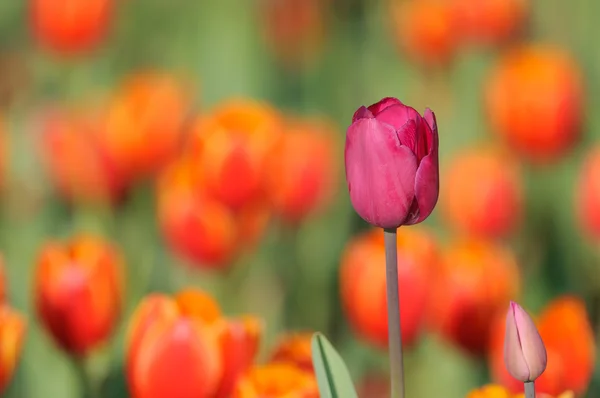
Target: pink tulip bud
<point x="524" y="350"/>
<point x="392" y="163"/>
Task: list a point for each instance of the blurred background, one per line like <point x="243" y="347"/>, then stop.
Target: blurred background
<point x="200" y="144"/>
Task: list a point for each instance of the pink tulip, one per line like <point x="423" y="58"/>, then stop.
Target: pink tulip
<point x="524" y="350"/>
<point x="392" y="164"/>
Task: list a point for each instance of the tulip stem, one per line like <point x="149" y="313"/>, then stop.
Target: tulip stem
<point x="393" y="305"/>
<point x="529" y="389"/>
<point x="87" y="385"/>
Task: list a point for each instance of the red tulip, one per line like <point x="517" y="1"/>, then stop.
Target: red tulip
<point x="70" y="26"/>
<point x="392" y="164"/>
<point x="363" y="282"/>
<point x="588" y="194"/>
<point x="482" y="193"/>
<point x="477" y="278"/>
<point x="534" y="98"/>
<point x="301" y="170"/>
<point x="182" y="347"/>
<point x="78" y="291"/>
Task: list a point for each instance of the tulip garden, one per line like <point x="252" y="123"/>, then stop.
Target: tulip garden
<point x="299" y="199"/>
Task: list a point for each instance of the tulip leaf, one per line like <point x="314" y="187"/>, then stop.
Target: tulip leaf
<point x="332" y="374"/>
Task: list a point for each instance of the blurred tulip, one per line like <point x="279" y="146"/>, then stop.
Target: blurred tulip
<point x="476" y="280"/>
<point x="488" y="22"/>
<point x="524" y="351"/>
<point x="76" y="160"/>
<point x="588" y="194"/>
<point x="497" y="391"/>
<point x="229" y="151"/>
<point x="424" y="29"/>
<point x="196" y="226"/>
<point x="239" y="341"/>
<point x="482" y="194"/>
<point x="70" y="26"/>
<point x="12" y="333"/>
<point x="294" y="29"/>
<point x="534" y="98"/>
<point x="295" y="348"/>
<point x="362" y="283"/>
<point x="565" y="328"/>
<point x="78" y="292"/>
<point x="392" y="164"/>
<point x="276" y="380"/>
<point x="302" y="170"/>
<point x="145" y="122"/>
<point x="183" y="347"/>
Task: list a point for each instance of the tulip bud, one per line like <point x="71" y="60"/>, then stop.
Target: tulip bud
<point x="12" y="332"/>
<point x="392" y="164"/>
<point x="78" y="292"/>
<point x="524" y="350"/>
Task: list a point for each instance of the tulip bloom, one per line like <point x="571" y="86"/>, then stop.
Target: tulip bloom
<point x="12" y="332"/>
<point x="70" y="26"/>
<point x="497" y="391"/>
<point x="463" y="304"/>
<point x="295" y="348"/>
<point x="524" y="351"/>
<point x="301" y="170"/>
<point x="392" y="164"/>
<point x="362" y="284"/>
<point x="78" y="289"/>
<point x="277" y="379"/>
<point x="183" y="347"/>
<point x="588" y="194"/>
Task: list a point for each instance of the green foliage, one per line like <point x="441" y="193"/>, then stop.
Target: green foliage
<point x="332" y="374"/>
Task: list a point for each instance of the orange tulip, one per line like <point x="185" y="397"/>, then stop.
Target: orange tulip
<point x="497" y="391"/>
<point x="276" y="380"/>
<point x="489" y="21"/>
<point x="482" y="193"/>
<point x="197" y="227"/>
<point x="295" y="348"/>
<point x="362" y="283"/>
<point x="569" y="340"/>
<point x="70" y="26"/>
<point x="229" y="150"/>
<point x="77" y="162"/>
<point x="183" y="347"/>
<point x="12" y="333"/>
<point x="588" y="194"/>
<point x="301" y="170"/>
<point x="294" y="29"/>
<point x="476" y="280"/>
<point x="534" y="99"/>
<point x="425" y="30"/>
<point x="145" y="122"/>
<point x="78" y="292"/>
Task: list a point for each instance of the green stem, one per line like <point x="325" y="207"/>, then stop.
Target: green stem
<point x="529" y="389"/>
<point x="88" y="387"/>
<point x="393" y="303"/>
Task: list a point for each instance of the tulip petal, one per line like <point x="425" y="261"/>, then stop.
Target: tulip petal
<point x="362" y="113"/>
<point x="513" y="354"/>
<point x="380" y="173"/>
<point x="427" y="186"/>
<point x="431" y="120"/>
<point x="397" y="116"/>
<point x="384" y="104"/>
<point x="532" y="345"/>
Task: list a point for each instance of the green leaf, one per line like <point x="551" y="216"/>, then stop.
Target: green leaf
<point x="332" y="374"/>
